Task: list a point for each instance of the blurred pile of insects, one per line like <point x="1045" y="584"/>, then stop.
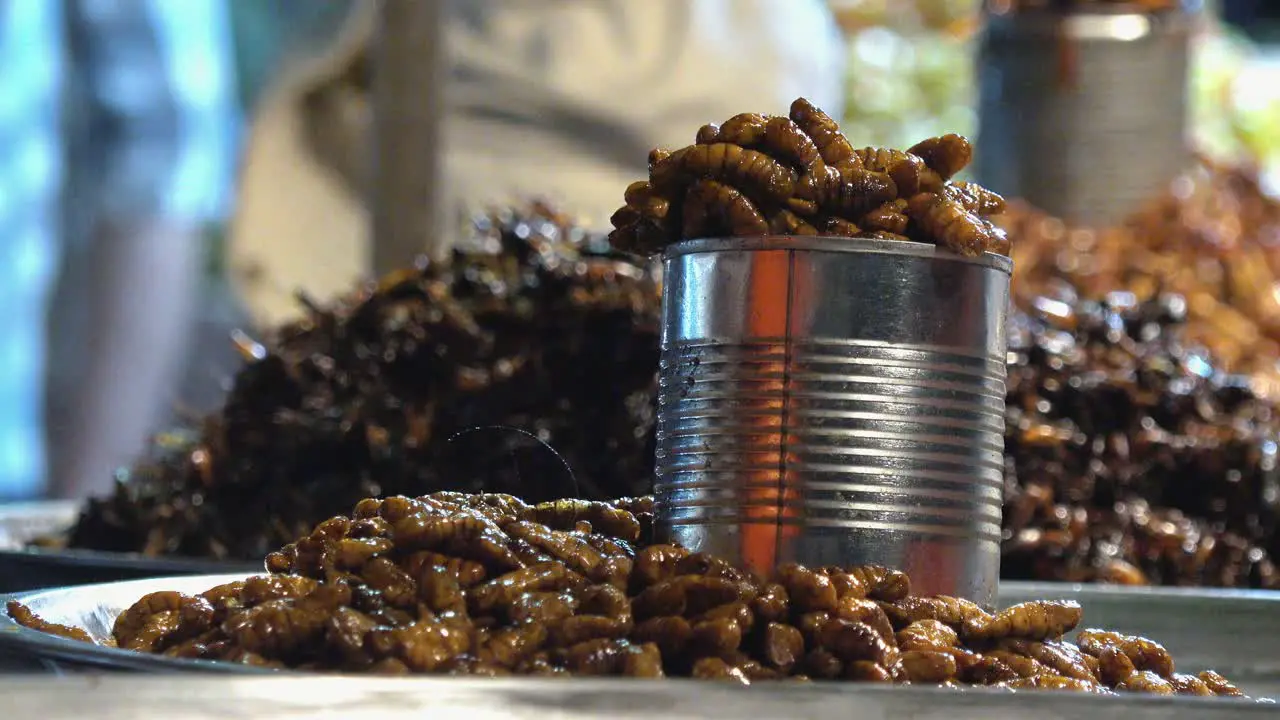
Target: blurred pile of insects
<point x="911" y="76"/>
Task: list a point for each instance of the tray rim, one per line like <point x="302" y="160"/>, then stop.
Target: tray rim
<point x="590" y="697"/>
<point x="21" y="640"/>
<point x="110" y="560"/>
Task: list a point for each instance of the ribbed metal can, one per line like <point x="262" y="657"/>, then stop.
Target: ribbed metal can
<point x="1082" y="110"/>
<point x="835" y="401"/>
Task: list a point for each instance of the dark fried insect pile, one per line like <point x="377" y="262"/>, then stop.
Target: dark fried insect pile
<point x="1210" y="237"/>
<point x="487" y="585"/>
<point x="759" y="175"/>
<point x="532" y="324"/>
<point x="1129" y="457"/>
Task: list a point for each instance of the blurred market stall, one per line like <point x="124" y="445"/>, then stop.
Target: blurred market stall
<point x="1235" y="79"/>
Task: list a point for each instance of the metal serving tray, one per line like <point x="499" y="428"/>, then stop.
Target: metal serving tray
<point x="352" y="698"/>
<point x="23" y="567"/>
<point x="1232" y="631"/>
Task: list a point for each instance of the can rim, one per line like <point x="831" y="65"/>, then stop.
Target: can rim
<point x="839" y="244"/>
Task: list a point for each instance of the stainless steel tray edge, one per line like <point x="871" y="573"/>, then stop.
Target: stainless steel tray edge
<point x="349" y="698"/>
<point x="1232" y="631"/>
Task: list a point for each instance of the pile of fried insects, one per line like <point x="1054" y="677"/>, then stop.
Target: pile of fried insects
<point x="486" y="584"/>
<point x="758" y="175"/>
<point x="414" y="384"/>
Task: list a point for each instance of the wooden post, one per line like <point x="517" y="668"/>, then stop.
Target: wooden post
<point x="406" y="204"/>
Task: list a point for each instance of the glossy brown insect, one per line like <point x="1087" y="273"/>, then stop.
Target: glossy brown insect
<point x="714" y="209"/>
<point x="745" y="129"/>
<point x="786" y="222"/>
<point x="928" y="634"/>
<point x="882" y="583"/>
<point x="807" y="589"/>
<point x="833" y="147"/>
<point x="785" y="139"/>
<point x="946" y="155"/>
<point x="889" y="217"/>
<point x="865" y="611"/>
<point x="949" y="610"/>
<point x="846" y="192"/>
<point x="22" y="615"/>
<point x="1034" y="620"/>
<point x="929" y="666"/>
<point x="852" y="641"/>
<point x="757" y="174"/>
<point x="1145" y="654"/>
<point x="1148" y="682"/>
<point x="909" y="173"/>
<point x="951" y="226"/>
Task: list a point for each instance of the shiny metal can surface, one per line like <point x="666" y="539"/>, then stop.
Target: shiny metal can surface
<point x="1082" y="111"/>
<point x="835" y="401"/>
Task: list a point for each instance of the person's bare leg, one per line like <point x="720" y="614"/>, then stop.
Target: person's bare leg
<point x="145" y="280"/>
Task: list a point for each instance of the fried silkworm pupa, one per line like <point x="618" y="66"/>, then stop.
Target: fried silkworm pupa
<point x="785" y="139"/>
<point x="865" y="611"/>
<point x="867" y="671"/>
<point x="833" y="147"/>
<point x="1056" y="682"/>
<point x="669" y="633"/>
<point x="910" y="174"/>
<point x="808" y="590"/>
<point x="889" y="217"/>
<point x="1145" y="654"/>
<point x="572" y="550"/>
<point x="505" y="589"/>
<point x="508" y="647"/>
<point x="974" y="198"/>
<point x="839" y="227"/>
<point x="785" y="222"/>
<point x="22" y="615"/>
<point x="1219" y="685"/>
<point x="754" y="172"/>
<point x="927" y="634"/>
<point x="657" y="562"/>
<point x="1189" y="685"/>
<point x="712" y="209"/>
<point x="847" y="191"/>
<point x="1021" y="665"/>
<point x="929" y="666"/>
<point x="713" y="668"/>
<point x="1146" y="681"/>
<point x="604" y="517"/>
<point x="948" y="224"/>
<point x="782" y="646"/>
<point x="707" y="134"/>
<point x="852" y="641"/>
<point x="1062" y="658"/>
<point x="745" y="129"/>
<point x="1034" y="620"/>
<point x="641" y="197"/>
<point x="946" y="155"/>
<point x="1114" y="667"/>
<point x="952" y="611"/>
<point x="882" y="583"/>
<point x="132" y="621"/>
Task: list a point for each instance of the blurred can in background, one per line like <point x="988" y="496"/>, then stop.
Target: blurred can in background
<point x="1082" y="107"/>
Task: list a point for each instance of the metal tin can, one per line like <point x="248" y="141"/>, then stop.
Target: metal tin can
<point x="835" y="401"/>
<point x="1082" y="111"/>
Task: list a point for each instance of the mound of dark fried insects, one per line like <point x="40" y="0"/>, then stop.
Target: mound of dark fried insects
<point x="1130" y="456"/>
<point x="487" y="585"/>
<point x="773" y="175"/>
<point x="405" y="386"/>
